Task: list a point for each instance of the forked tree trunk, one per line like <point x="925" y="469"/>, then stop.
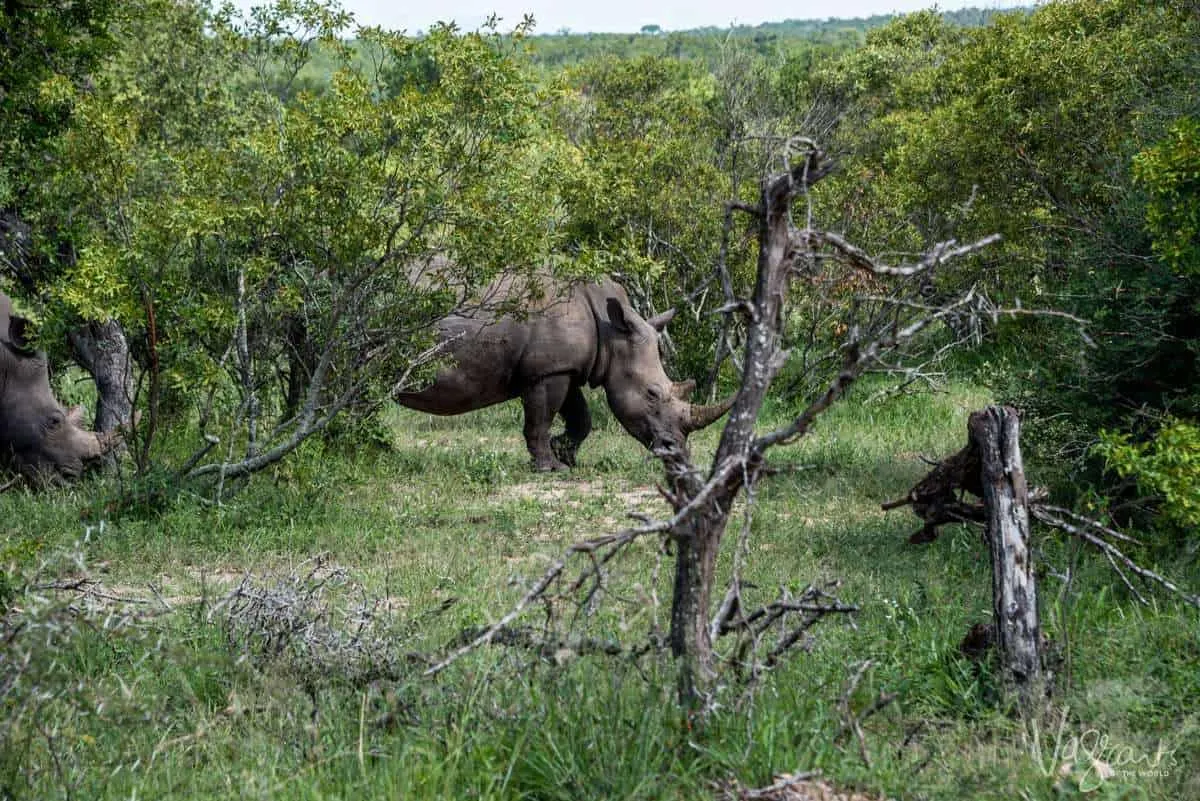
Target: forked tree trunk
<point x="102" y="350"/>
<point x="698" y="536"/>
<point x="995" y="431"/>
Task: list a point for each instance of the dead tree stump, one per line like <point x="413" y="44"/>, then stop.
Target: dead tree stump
<point x="990" y="467"/>
<point x="995" y="432"/>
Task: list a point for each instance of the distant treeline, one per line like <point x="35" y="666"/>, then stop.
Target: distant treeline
<point x="704" y="44"/>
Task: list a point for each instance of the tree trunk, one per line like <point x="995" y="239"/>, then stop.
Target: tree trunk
<point x="698" y="543"/>
<point x="102" y="350"/>
<point x="302" y="359"/>
<point x="996" y="433"/>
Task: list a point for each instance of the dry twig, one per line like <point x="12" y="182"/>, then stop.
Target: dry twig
<point x="1113" y="553"/>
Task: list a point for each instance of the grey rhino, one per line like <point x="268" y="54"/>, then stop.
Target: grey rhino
<point x="38" y="437"/>
<point x="574" y="334"/>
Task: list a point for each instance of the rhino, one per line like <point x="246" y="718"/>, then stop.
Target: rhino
<point x="41" y="440"/>
<point x="564" y="336"/>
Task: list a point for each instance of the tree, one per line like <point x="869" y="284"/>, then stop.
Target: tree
<point x="1170" y="173"/>
<point x="1031" y="127"/>
<point x="284" y="254"/>
<point x="47" y="52"/>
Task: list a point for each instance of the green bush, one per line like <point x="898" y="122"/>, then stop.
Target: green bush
<point x="1166" y="466"/>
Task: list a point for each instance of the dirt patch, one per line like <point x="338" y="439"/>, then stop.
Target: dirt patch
<point x="575" y="493"/>
<point x="794" y="788"/>
<point x="165" y="592"/>
<point x="606" y="505"/>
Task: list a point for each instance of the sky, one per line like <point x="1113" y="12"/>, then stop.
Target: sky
<point x="625" y="16"/>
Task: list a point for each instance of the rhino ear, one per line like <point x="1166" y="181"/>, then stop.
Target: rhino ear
<point x="616" y="316"/>
<point x="659" y="321"/>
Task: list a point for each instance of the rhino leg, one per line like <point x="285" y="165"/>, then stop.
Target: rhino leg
<point x="578" y="418"/>
<point x="542" y="402"/>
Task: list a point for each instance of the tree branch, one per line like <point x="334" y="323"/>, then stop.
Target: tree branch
<point x="1043" y="514"/>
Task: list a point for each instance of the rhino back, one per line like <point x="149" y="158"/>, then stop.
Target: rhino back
<point x="562" y="337"/>
<point x="498" y="353"/>
<point x="553" y="335"/>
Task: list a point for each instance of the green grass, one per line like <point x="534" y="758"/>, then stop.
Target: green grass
<point x="122" y="700"/>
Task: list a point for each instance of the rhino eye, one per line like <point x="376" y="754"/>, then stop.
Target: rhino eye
<point x="653" y="394"/>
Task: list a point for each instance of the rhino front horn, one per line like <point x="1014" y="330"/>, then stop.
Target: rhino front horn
<point x="701" y="416"/>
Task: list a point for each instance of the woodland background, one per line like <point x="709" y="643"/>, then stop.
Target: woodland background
<point x="240" y="201"/>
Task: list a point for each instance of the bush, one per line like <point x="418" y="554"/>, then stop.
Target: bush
<point x="1166" y="466"/>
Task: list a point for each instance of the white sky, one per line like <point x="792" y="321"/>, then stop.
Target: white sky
<point x="628" y="15"/>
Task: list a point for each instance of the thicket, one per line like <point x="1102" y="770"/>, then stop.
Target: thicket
<point x="264" y="187"/>
<point x="1071" y="131"/>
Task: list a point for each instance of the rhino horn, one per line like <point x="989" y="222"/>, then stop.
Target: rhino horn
<point x="659" y="321"/>
<point x="683" y="389"/>
<point x="702" y="416"/>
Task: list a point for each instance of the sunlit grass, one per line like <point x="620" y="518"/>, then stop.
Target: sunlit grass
<point x="164" y="704"/>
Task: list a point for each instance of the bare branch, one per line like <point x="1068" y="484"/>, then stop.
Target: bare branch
<point x="1095" y="525"/>
<point x="856" y="257"/>
<point x="737" y="205"/>
<point x="1125" y="579"/>
<point x="742" y="307"/>
<point x="1043" y="514"/>
<point x="857" y="359"/>
<point x="538" y="590"/>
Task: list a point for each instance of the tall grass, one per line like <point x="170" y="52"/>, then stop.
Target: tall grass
<point x="140" y="687"/>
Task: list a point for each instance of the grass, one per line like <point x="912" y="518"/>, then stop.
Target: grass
<point x="122" y="700"/>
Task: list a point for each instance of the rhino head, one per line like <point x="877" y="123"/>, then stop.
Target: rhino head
<point x="654" y="409"/>
<point x="38" y="437"/>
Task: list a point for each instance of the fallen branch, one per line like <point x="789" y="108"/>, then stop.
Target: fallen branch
<point x="553" y="647"/>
